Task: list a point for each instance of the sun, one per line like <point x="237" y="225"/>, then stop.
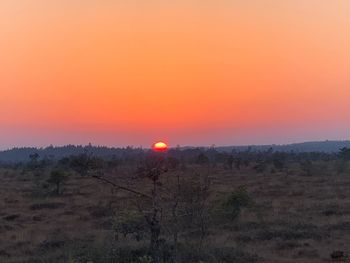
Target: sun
<point x="160" y="147"/>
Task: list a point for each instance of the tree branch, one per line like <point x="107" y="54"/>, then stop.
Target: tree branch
<point x="120" y="186"/>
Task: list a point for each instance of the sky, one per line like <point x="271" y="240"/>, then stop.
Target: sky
<point x="194" y="72"/>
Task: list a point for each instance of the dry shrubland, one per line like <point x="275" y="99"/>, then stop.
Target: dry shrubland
<point x="211" y="207"/>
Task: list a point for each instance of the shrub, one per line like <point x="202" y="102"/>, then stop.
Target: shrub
<point x="235" y="202"/>
<point x="130" y="223"/>
<point x="57" y="177"/>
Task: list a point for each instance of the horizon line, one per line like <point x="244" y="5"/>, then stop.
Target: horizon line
<point x="173" y="147"/>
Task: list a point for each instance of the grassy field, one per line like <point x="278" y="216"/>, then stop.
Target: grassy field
<point x="292" y="216"/>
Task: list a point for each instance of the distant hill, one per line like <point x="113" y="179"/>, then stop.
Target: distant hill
<point x="51" y="152"/>
<point x="321" y="146"/>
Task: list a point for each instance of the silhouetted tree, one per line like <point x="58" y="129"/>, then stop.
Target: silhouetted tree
<point x="260" y="167"/>
<point x="229" y="162"/>
<point x="85" y="163"/>
<point x="279" y="160"/>
<point x="238" y="163"/>
<point x="202" y="159"/>
<point x="34" y="161"/>
<point x="345" y="153"/>
<point x="57" y="177"/>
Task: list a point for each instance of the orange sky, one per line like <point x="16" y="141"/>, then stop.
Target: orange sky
<point x="190" y="72"/>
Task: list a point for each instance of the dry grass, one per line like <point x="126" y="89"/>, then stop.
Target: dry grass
<point x="296" y="218"/>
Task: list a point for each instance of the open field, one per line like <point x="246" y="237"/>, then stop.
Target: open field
<point x="293" y="217"/>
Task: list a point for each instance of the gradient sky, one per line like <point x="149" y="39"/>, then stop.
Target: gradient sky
<point x="190" y="72"/>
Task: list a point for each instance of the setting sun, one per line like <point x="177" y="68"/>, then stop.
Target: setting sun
<point x="160" y="147"/>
